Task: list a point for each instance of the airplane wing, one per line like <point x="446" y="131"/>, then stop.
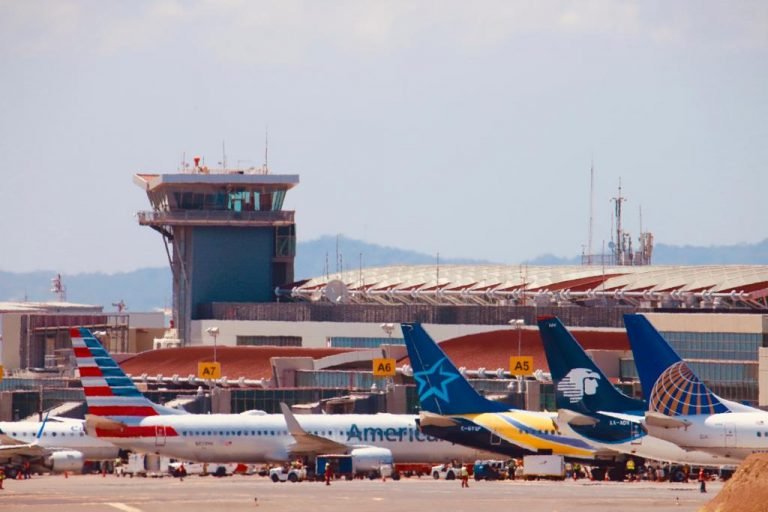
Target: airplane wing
<point x="575" y="418"/>
<point x="101" y="422"/>
<point x="307" y="443"/>
<point x="658" y="419"/>
<point x="632" y="418"/>
<point x="436" y="420"/>
<point x="22" y="450"/>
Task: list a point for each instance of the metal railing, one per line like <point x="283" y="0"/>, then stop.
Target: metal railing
<point x="218" y="217"/>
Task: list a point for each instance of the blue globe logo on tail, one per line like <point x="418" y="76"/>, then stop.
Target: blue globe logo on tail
<point x="678" y="392"/>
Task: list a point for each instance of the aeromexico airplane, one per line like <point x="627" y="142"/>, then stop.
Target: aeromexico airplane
<point x="55" y="445"/>
<point x="584" y="394"/>
<point x="119" y="413"/>
<point x="682" y="409"/>
<point x="453" y="410"/>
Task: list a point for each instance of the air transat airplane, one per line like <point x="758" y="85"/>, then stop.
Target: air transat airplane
<point x="55" y="445"/>
<point x="584" y="395"/>
<point x="454" y="411"/>
<point x="120" y="414"/>
<point x="682" y="409"/>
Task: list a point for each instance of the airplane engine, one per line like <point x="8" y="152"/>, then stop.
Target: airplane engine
<point x="370" y="459"/>
<point x="65" y="460"/>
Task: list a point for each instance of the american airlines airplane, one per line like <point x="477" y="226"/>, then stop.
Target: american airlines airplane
<point x="584" y="395"/>
<point x="55" y="445"/>
<point x="454" y="411"/>
<point x="120" y="414"/>
<point x="682" y="409"/>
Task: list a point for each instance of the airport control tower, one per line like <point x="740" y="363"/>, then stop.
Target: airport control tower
<point x="225" y="232"/>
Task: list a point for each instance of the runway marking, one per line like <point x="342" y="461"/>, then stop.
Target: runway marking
<point x="124" y="507"/>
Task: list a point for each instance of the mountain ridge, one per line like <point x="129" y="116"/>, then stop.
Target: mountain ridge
<point x="148" y="289"/>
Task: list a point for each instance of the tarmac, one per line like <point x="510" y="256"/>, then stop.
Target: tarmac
<point x="94" y="493"/>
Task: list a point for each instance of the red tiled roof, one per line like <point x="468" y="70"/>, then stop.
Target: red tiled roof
<point x="491" y="350"/>
<point x="236" y="362"/>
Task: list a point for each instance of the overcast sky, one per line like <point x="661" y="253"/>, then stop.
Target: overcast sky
<point x="461" y="127"/>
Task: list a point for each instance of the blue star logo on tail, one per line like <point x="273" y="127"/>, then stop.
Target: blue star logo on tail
<point x="440" y="377"/>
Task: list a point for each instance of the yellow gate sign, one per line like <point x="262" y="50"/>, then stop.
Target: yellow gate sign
<point x="521" y="365"/>
<point x="384" y="367"/>
<point x="208" y="370"/>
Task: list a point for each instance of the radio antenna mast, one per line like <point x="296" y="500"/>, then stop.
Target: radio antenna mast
<point x="591" y="209"/>
<point x="266" y="149"/>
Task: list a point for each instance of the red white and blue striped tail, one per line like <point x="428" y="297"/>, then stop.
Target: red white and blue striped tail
<point x="108" y="392"/>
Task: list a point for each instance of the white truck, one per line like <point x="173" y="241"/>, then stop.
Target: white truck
<point x="445" y="472"/>
<point x="286" y="474"/>
<point x="551" y="467"/>
<point x="150" y="464"/>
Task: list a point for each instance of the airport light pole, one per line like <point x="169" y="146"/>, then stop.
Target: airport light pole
<point x="518" y="324"/>
<point x="214" y="332"/>
<point x="388" y="328"/>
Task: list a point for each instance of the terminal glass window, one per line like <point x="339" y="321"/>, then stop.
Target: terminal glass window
<point x="715" y="345"/>
<point x="278" y="341"/>
<point x="359" y="342"/>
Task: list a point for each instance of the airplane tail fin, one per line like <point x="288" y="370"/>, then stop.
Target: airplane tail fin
<point x="442" y="389"/>
<point x="109" y="393"/>
<point x="669" y="384"/>
<point x="579" y="384"/>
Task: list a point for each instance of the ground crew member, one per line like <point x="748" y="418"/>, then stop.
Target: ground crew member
<point x="328" y="473"/>
<point x="464" y="476"/>
<point x="631" y="469"/>
<point x="702" y="480"/>
<point x="2" y="477"/>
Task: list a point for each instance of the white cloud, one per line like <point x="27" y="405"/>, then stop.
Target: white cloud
<point x="286" y="30"/>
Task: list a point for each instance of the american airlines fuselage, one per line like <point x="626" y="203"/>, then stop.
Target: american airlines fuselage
<point x="250" y="438"/>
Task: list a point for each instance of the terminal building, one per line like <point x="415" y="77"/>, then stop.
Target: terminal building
<point x="231" y="248"/>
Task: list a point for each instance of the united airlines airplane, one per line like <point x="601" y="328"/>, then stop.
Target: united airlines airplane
<point x="55" y="445"/>
<point x="120" y="414"/>
<point x="682" y="409"/>
<point x="584" y="396"/>
<point x="453" y="410"/>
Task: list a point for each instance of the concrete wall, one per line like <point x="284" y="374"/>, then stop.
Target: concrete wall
<point x="703" y="322"/>
<point x="762" y="376"/>
<point x="315" y="334"/>
<point x="11" y="357"/>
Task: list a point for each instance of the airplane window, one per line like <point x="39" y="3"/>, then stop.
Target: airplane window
<point x="272" y="432"/>
<point x="239" y="432"/>
<point x="758" y="434"/>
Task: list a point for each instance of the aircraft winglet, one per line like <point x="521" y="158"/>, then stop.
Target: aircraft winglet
<point x="307" y="443"/>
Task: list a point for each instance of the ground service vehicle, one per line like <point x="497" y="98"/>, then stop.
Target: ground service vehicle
<point x="445" y="471"/>
<point x="490" y="470"/>
<point x="543" y="466"/>
<point x="283" y="474"/>
<point x="349" y="467"/>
